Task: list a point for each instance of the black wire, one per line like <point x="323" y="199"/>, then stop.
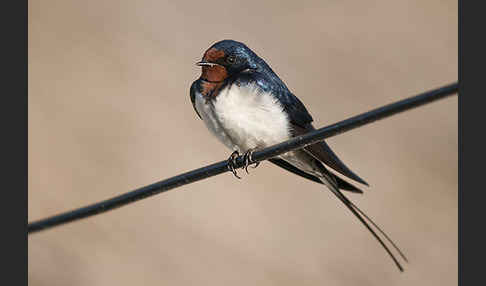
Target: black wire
<point x="221" y="167"/>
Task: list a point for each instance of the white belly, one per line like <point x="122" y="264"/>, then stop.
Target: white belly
<point x="244" y="118"/>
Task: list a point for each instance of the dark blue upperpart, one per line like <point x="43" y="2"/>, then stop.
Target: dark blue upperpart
<point x="257" y="71"/>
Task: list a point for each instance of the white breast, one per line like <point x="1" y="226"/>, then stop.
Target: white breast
<point x="244" y="118"/>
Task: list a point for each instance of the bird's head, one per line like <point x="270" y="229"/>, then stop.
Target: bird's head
<point x="226" y="58"/>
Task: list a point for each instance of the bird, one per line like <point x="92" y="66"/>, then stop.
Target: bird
<point x="244" y="104"/>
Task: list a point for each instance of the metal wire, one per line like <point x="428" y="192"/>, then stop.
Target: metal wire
<point x="221" y="167"/>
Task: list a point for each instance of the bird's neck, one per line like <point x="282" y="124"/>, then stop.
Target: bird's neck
<point x="210" y="89"/>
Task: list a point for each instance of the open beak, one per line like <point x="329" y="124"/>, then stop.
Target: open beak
<point x="203" y="63"/>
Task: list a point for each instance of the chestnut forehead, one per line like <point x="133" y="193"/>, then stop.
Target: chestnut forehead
<point x="213" y="54"/>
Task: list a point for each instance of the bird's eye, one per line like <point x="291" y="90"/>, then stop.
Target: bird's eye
<point x="231" y="59"/>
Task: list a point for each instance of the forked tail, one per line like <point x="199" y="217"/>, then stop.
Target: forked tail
<point x="365" y="219"/>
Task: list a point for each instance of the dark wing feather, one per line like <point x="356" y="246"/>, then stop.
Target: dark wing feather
<point x="323" y="153"/>
<point x="300" y="119"/>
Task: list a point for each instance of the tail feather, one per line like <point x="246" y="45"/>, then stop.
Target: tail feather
<point x="364" y="218"/>
<point x="289" y="167"/>
<point x="343" y="185"/>
<point x="380" y="230"/>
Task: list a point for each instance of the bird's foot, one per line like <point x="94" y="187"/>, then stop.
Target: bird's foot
<point x="232" y="163"/>
<point x="249" y="160"/>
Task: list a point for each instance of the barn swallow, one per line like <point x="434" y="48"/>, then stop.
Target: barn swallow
<point x="248" y="107"/>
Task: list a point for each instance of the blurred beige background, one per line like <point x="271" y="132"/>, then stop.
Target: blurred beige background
<point x="109" y="111"/>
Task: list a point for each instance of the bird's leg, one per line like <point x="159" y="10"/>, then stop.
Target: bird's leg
<point x="232" y="162"/>
<point x="249" y="160"/>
